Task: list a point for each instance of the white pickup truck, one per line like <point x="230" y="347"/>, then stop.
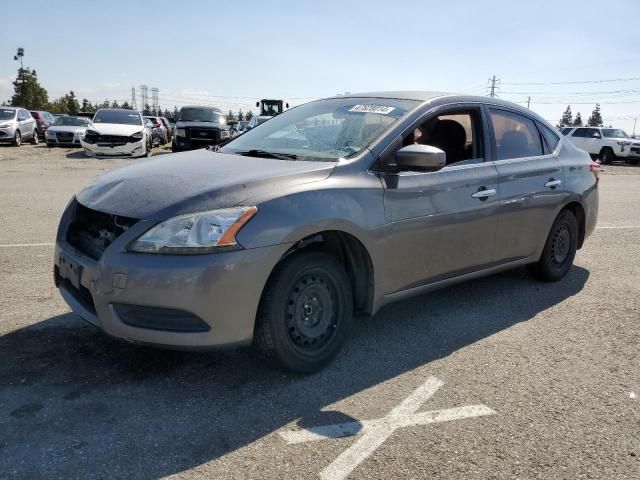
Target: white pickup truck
<point x="607" y="144"/>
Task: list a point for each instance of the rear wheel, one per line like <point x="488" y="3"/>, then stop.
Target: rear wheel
<point x="17" y="139"/>
<point x="306" y="312"/>
<point x="607" y="156"/>
<point x="559" y="249"/>
<point x="35" y="139"/>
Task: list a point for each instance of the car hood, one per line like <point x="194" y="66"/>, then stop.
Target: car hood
<point x="182" y="124"/>
<point x="174" y="184"/>
<point x="116" y="129"/>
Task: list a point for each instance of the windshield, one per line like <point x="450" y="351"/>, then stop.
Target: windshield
<point x="123" y="117"/>
<point x="614" y="133"/>
<point x="73" y="122"/>
<point x="323" y="130"/>
<point x="200" y="115"/>
<point x="6" y="114"/>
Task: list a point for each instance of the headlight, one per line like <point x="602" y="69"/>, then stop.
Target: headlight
<point x="137" y="136"/>
<point x="195" y="233"/>
<point x="5" y="125"/>
<point x="180" y="132"/>
<point x="49" y="133"/>
<point x="224" y="133"/>
<point x="624" y="144"/>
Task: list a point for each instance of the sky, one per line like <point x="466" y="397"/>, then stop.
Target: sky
<point x="230" y="54"/>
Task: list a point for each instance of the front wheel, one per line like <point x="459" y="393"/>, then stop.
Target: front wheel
<point x="559" y="249"/>
<point x="306" y="312"/>
<point x="17" y="139"/>
<point x="35" y="139"/>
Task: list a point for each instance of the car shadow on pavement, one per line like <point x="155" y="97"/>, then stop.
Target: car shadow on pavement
<point x="77" y="154"/>
<point x="76" y="403"/>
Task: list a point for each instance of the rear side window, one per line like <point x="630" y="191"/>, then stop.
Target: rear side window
<point x="551" y="139"/>
<point x="580" y="132"/>
<point x="566" y="131"/>
<point x="515" y="136"/>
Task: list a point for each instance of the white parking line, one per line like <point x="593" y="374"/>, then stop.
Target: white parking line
<point x="376" y="432"/>
<point x="630" y="227"/>
<point x="13" y="245"/>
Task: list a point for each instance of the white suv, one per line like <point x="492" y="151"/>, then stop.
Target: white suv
<point x="605" y="143"/>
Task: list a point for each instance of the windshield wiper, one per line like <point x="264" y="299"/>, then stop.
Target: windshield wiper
<point x="265" y="154"/>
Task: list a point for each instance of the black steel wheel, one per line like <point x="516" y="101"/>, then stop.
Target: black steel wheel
<point x="559" y="250"/>
<point x="306" y="312"/>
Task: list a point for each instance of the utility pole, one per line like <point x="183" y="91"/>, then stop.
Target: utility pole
<point x="493" y="81"/>
<point x="634" y="127"/>
<point x="134" y="106"/>
<point x="154" y="99"/>
<point x="144" y="97"/>
<point x="528" y="101"/>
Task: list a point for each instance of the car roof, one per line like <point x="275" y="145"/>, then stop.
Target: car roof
<point x="201" y="106"/>
<point x="436" y="97"/>
<point x="11" y="108"/>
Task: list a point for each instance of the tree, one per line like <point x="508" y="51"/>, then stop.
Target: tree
<point x="578" y="121"/>
<point x="248" y="115"/>
<point x="18" y="56"/>
<point x="175" y="113"/>
<point x="567" y="118"/>
<point x="126" y="105"/>
<point x="27" y="92"/>
<point x="240" y="115"/>
<point x="595" y="120"/>
<point x="115" y="104"/>
<point x="231" y="117"/>
<point x="66" y="104"/>
<point x="146" y="110"/>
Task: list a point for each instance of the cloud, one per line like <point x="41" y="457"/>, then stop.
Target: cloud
<point x="111" y="84"/>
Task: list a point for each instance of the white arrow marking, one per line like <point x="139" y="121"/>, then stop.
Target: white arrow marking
<point x="376" y="432"/>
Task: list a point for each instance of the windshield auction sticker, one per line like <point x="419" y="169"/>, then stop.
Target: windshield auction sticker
<point x="381" y="109"/>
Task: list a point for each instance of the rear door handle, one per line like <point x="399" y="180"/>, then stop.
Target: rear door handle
<point x="553" y="183"/>
<point x="484" y="194"/>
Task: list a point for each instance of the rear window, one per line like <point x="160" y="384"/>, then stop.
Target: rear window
<point x="516" y="136"/>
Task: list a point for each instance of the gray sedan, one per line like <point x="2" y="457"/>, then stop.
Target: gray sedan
<point x="330" y="210"/>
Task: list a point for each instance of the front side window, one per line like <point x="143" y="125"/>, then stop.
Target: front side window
<point x="458" y="134"/>
<point x="122" y="117"/>
<point x="516" y="136"/>
<point x="325" y="130"/>
<point x="580" y="132"/>
<point x="592" y="133"/>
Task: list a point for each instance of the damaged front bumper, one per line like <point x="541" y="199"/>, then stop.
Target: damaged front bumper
<point x="132" y="149"/>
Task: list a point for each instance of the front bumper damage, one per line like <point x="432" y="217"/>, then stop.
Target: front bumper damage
<point x="179" y="301"/>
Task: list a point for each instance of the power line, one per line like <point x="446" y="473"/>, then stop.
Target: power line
<point x="576" y="82"/>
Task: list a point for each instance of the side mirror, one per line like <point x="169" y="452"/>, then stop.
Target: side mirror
<point x="596" y="135"/>
<point x="422" y="157"/>
<point x="257" y="104"/>
<point x="286" y="105"/>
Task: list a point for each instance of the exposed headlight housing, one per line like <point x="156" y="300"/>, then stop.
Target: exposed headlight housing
<point x="137" y="135"/>
<point x="195" y="233"/>
<point x="180" y="132"/>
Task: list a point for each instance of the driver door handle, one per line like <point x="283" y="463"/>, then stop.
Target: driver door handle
<point x="552" y="183"/>
<point x="483" y="194"/>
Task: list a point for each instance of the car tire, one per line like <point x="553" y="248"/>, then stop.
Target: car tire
<point x="17" y="139"/>
<point x="35" y="140"/>
<point x="306" y="312"/>
<point x="559" y="249"/>
<point x="607" y="156"/>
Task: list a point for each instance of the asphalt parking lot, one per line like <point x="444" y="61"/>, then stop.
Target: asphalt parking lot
<point x="548" y="374"/>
